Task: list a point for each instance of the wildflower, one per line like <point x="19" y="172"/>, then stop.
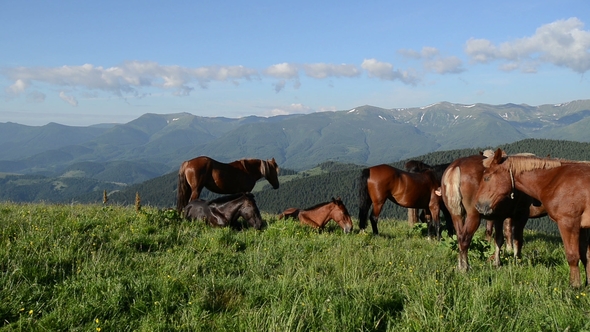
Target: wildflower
<point x="31" y="312"/>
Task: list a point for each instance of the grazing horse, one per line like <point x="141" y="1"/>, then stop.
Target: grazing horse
<point x="563" y="187"/>
<point x="410" y="190"/>
<point x="235" y="177"/>
<point x="318" y="216"/>
<point x="418" y="166"/>
<point x="225" y="210"/>
<point x="458" y="188"/>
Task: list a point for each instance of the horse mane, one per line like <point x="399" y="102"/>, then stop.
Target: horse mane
<point x="316" y="206"/>
<point x="520" y="163"/>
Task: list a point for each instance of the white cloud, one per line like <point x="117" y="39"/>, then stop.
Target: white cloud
<point x="385" y="71"/>
<point x="126" y="78"/>
<point x="432" y="61"/>
<point x="325" y="70"/>
<point x="290" y="109"/>
<point x="283" y="70"/>
<point x="68" y="99"/>
<point x="562" y="43"/>
<point x="449" y="65"/>
<point x="17" y="88"/>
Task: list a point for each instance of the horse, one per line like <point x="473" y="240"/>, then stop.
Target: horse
<point x="225" y="210"/>
<point x="379" y="183"/>
<point x="319" y="215"/>
<point x="235" y="177"/>
<point x="458" y="188"/>
<point x="563" y="187"/>
<point x="418" y="166"/>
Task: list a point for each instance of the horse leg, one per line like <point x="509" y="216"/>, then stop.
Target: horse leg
<point x="464" y="236"/>
<point x="435" y="216"/>
<point x="508" y="233"/>
<point x="585" y="251"/>
<point x="412" y="216"/>
<point x="498" y="240"/>
<point x="489" y="230"/>
<point x="570" y="234"/>
<point x="195" y="184"/>
<point x="374" y="217"/>
<point x="448" y="221"/>
<point x="518" y="236"/>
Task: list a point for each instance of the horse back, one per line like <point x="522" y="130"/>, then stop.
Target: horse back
<point x="290" y="213"/>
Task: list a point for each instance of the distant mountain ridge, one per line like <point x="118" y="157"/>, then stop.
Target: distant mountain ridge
<point x="365" y="135"/>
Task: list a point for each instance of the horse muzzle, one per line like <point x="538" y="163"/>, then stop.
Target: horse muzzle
<point x="347" y="229"/>
<point x="484" y="208"/>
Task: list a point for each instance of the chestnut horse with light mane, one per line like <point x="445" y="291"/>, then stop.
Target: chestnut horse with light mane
<point x="236" y="177"/>
<point x="459" y="186"/>
<point x="563" y="187"/>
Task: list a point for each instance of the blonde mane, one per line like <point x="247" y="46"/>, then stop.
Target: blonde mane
<point x="519" y="163"/>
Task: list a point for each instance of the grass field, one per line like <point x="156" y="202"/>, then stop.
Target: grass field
<point x="95" y="268"/>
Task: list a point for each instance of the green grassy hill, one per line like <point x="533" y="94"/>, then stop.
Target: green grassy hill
<point x="94" y="268"/>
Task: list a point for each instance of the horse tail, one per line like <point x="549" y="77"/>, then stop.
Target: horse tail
<point x="364" y="198"/>
<point x="452" y="182"/>
<point x="184" y="189"/>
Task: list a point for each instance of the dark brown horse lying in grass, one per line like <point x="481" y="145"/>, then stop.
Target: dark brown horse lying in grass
<point x="225" y="210"/>
<point x="236" y="177"/>
<point x="319" y="215"/>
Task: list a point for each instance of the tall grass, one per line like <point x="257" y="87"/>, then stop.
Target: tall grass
<point x="95" y="268"/>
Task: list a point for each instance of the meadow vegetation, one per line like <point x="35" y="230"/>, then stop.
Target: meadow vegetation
<point x="111" y="268"/>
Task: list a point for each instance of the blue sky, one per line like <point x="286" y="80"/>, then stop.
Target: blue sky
<point x="88" y="62"/>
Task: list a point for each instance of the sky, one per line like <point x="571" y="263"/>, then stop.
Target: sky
<point x="81" y="63"/>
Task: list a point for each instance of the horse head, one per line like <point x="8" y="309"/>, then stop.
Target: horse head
<point x="497" y="183"/>
<point x="270" y="171"/>
<point x="340" y="215"/>
<point x="249" y="211"/>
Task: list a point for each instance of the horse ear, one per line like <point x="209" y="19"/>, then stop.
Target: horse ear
<point x="499" y="155"/>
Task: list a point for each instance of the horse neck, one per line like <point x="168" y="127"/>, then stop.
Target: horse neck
<point x="328" y="211"/>
<point x="230" y="208"/>
<point x="254" y="167"/>
<point x="533" y="182"/>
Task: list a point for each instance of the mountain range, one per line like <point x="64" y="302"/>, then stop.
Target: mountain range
<point x="156" y="144"/>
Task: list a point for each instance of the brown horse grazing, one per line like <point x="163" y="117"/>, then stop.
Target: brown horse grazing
<point x="225" y="210"/>
<point x="562" y="186"/>
<point x="318" y="216"/>
<point x="418" y="166"/>
<point x="235" y="177"/>
<point x="410" y="190"/>
<point x="458" y="188"/>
